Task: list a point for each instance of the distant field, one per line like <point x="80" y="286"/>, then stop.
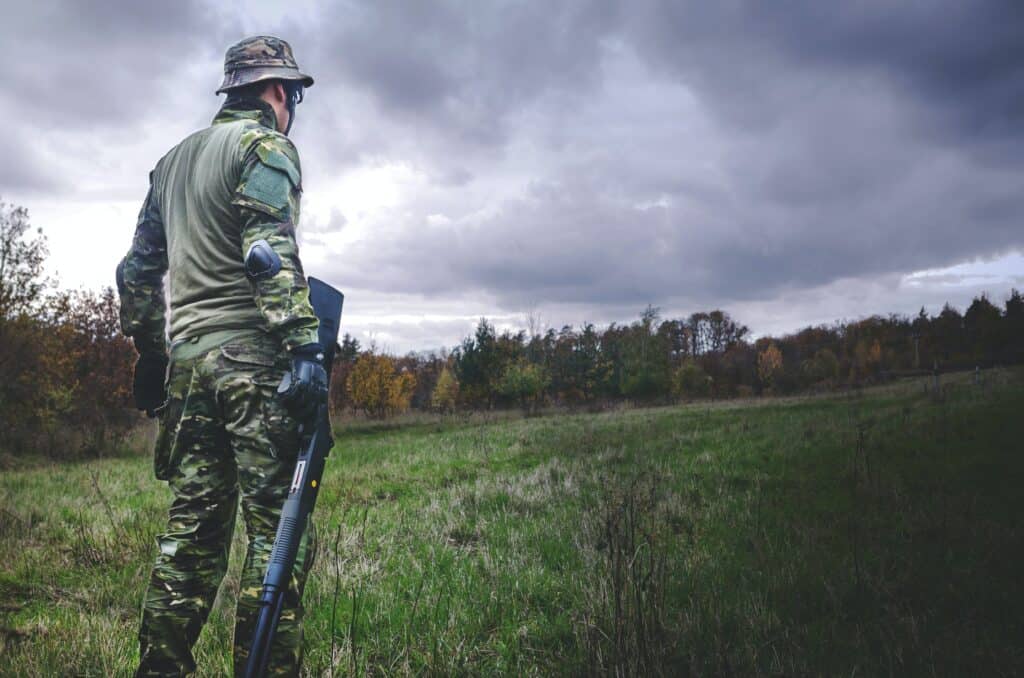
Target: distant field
<point x="861" y="535"/>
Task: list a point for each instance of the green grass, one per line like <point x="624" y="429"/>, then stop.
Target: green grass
<point x="868" y="534"/>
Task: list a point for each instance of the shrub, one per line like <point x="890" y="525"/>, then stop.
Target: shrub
<point x="691" y="381"/>
<point x="823" y="367"/>
<point x="524" y="383"/>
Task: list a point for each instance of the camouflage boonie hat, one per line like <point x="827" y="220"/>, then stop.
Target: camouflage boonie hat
<point x="262" y="57"/>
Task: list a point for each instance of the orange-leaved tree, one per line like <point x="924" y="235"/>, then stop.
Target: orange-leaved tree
<point x="377" y="388"/>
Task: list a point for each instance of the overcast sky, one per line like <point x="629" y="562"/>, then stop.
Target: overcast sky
<point x="790" y="162"/>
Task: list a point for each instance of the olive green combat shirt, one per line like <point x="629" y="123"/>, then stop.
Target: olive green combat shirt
<point x="210" y="198"/>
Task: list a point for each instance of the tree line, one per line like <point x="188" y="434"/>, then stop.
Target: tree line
<point x="65" y="369"/>
<point x="705" y="355"/>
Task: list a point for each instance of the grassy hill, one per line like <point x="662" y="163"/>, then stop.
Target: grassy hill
<point x="869" y="534"/>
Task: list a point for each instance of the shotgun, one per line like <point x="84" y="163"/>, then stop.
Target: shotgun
<point x="298" y="506"/>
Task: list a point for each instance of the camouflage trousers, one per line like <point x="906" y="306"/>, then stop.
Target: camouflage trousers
<point x="223" y="436"/>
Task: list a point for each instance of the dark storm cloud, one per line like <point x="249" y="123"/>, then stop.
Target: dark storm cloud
<point x="850" y="139"/>
<point x="91" y="65"/>
<point x="462" y="67"/>
<point x="963" y="60"/>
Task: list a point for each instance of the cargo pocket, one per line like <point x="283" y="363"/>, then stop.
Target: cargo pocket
<point x="167" y="450"/>
<point x="164" y="451"/>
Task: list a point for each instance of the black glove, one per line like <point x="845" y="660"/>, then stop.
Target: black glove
<point x="304" y="388"/>
<point x="148" y="385"/>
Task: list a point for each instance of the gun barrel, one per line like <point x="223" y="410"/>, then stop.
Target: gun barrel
<point x="263" y="636"/>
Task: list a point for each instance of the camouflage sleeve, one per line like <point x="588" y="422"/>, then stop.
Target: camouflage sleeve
<point x="268" y="198"/>
<point x="140" y="281"/>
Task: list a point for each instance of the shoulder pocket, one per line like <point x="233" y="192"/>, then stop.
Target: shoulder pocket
<point x="270" y="179"/>
<point x="267" y="185"/>
<point x="272" y="157"/>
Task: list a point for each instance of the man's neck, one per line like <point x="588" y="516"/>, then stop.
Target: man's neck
<point x="251" y="109"/>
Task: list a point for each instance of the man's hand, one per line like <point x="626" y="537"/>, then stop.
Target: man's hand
<point x="148" y="384"/>
<point x="304" y="388"/>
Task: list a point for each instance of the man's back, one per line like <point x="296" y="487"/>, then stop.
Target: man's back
<point x="194" y="186"/>
<point x="211" y="198"/>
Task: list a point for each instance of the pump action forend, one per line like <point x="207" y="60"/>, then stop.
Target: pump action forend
<point x="309" y="468"/>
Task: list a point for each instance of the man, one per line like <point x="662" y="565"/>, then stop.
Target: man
<point x="219" y="220"/>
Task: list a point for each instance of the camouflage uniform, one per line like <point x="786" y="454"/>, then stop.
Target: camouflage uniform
<point x="222" y="433"/>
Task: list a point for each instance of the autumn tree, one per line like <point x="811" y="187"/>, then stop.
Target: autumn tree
<point x="867" y="355"/>
<point x="101" y="367"/>
<point x="377" y="388"/>
<point x="446" y="391"/>
<point x="65" y="368"/>
<point x="769" y="364"/>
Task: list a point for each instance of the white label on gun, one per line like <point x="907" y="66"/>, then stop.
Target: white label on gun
<point x="297" y="478"/>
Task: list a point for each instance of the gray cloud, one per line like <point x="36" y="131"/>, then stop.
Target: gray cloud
<point x="22" y="172"/>
<point x="965" y="61"/>
<point x="588" y="157"/>
<point x="98" y="64"/>
<point x="847" y="143"/>
<point x="460" y="67"/>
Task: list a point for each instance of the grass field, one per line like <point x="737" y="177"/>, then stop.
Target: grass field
<point x="859" y="535"/>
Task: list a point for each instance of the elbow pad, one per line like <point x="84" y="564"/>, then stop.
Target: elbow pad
<point x="261" y="261"/>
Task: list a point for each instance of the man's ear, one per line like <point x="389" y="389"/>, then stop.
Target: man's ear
<point x="277" y="92"/>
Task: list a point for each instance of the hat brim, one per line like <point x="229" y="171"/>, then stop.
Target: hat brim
<point x="246" y="76"/>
